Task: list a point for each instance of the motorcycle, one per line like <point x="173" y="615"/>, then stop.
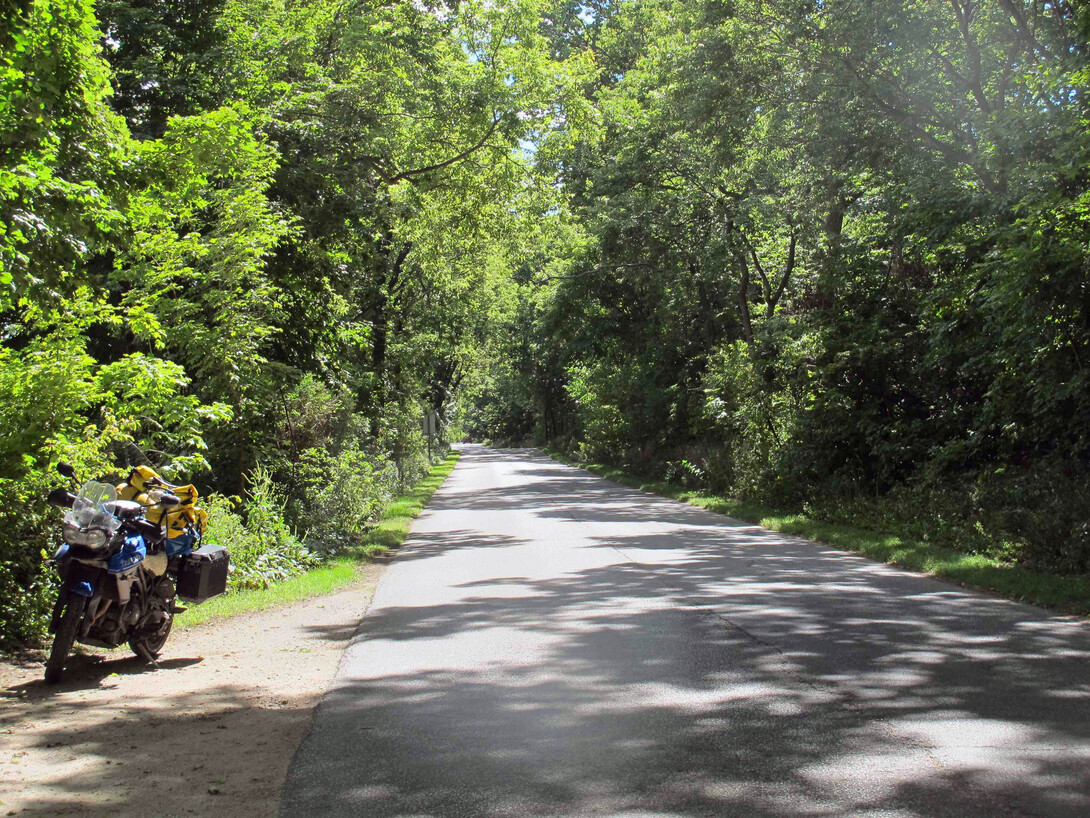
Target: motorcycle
<point x="121" y="575"/>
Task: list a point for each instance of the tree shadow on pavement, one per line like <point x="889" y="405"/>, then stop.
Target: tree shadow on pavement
<point x="190" y="736"/>
<point x="700" y="667"/>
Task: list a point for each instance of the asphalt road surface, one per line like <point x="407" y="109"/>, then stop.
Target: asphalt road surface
<point x="550" y="643"/>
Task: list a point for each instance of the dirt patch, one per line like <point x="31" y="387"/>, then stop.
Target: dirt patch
<point x="210" y="731"/>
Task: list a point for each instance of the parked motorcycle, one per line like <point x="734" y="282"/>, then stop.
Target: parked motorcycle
<point x="122" y="574"/>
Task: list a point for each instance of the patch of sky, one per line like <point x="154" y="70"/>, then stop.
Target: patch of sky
<point x="437" y="10"/>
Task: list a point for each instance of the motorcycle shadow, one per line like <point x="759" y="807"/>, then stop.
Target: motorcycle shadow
<point x="87" y="671"/>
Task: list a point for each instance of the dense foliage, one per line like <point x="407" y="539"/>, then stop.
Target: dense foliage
<point x="830" y="255"/>
<point x="826" y="254"/>
<point x="250" y="243"/>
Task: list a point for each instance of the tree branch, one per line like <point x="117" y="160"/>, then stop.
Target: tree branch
<point x="409" y="175"/>
<point x="1024" y="31"/>
<point x="760" y="270"/>
<point x="963" y="11"/>
<point x="743" y="296"/>
<point x="788" y="269"/>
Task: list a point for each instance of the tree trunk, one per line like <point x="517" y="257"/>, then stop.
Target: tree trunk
<point x="743" y="297"/>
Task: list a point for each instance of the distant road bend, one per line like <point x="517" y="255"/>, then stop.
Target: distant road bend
<point x="550" y="643"/>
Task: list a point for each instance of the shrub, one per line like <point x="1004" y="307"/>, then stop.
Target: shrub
<point x="1036" y="516"/>
<point x="263" y="548"/>
<point x="312" y="414"/>
<point x="597" y="396"/>
<point x="342" y="494"/>
<point x="684" y="473"/>
<point x="406" y="445"/>
<point x="754" y="420"/>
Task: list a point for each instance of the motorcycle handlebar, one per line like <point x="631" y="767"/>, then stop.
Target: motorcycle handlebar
<point x="61" y="498"/>
<point x="148" y="530"/>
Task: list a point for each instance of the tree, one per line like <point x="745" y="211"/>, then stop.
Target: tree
<point x="60" y="151"/>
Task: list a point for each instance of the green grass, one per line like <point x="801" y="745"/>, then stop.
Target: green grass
<point x="336" y="574"/>
<point x="325" y="579"/>
<point x="1061" y="593"/>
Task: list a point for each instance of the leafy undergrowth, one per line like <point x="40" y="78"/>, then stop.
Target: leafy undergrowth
<point x="337" y="573"/>
<point x="394" y="525"/>
<point x="1062" y="593"/>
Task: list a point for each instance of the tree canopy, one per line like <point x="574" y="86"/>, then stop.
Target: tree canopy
<point x="828" y="254"/>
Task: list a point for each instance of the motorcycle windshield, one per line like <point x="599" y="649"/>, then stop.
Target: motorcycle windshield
<point x="89" y="509"/>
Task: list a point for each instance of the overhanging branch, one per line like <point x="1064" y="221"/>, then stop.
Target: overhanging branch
<point x="409" y="175"/>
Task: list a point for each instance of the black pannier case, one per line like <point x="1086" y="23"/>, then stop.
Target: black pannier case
<point x="203" y="574"/>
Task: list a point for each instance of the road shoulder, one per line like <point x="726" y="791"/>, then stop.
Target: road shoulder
<point x="211" y="731"/>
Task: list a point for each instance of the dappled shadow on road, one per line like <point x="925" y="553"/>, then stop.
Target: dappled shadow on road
<point x="695" y="667"/>
<point x="425" y="546"/>
<point x="207" y="731"/>
<point x="549" y="490"/>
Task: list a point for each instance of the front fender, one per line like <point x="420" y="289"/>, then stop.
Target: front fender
<point x="81" y="588"/>
<point x="79" y="579"/>
<point x="82" y="579"/>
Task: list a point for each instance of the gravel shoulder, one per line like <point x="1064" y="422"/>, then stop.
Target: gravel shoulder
<point x="210" y="731"/>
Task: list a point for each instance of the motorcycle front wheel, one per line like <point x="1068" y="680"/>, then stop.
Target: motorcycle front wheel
<point x="65" y="638"/>
<point x="148" y="645"/>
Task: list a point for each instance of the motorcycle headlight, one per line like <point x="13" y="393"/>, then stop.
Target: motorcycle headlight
<point x="89" y="537"/>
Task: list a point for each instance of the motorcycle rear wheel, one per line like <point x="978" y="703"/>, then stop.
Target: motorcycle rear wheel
<point x="65" y="638"/>
<point x="148" y="646"/>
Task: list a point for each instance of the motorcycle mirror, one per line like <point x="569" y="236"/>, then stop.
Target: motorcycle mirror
<point x="60" y="497"/>
<point x="66" y="469"/>
<point x="169" y="500"/>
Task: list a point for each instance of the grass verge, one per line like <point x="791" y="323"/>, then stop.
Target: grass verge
<point x="1066" y="594"/>
<point x="338" y="573"/>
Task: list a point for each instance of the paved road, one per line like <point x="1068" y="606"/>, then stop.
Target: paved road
<point x="549" y="643"/>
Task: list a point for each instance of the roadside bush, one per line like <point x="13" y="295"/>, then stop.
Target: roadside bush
<point x="338" y="479"/>
<point x="263" y="548"/>
<point x="26" y="588"/>
<point x="406" y="445"/>
<point x="684" y="473"/>
<point x="1046" y="510"/>
<point x="312" y="414"/>
<point x="342" y="493"/>
<point x="755" y="421"/>
<point x="597" y="397"/>
<point x="1036" y="517"/>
